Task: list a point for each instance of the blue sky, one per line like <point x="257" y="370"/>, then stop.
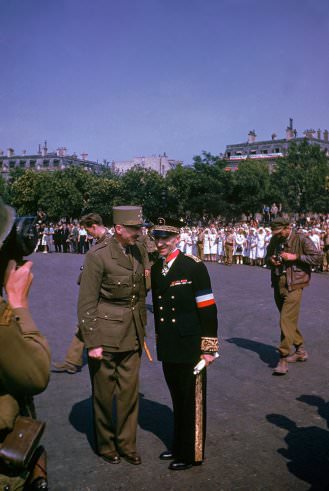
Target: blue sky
<point x="124" y="78"/>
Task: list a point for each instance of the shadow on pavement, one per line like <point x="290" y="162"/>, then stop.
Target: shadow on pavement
<point x="157" y="419"/>
<point x="153" y="417"/>
<point x="80" y="418"/>
<point x="267" y="353"/>
<point x="307" y="451"/>
<point x="320" y="403"/>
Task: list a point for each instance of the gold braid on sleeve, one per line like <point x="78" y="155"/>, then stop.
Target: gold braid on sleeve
<point x="209" y="345"/>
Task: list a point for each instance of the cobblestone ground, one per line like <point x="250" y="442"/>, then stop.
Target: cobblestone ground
<point x="264" y="432"/>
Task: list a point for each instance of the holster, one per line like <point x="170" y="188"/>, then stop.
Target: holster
<point x="19" y="445"/>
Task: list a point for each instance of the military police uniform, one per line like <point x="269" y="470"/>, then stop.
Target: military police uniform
<point x="112" y="315"/>
<point x="186" y="327"/>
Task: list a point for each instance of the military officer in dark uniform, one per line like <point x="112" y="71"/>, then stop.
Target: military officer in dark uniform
<point x="112" y="320"/>
<point x="186" y="330"/>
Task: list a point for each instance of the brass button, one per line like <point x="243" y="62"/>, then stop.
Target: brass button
<point x="173" y="320"/>
<point x="119" y="282"/>
<point x="162" y="319"/>
<point x="173" y="309"/>
<point x="105" y="316"/>
<point x="161" y="308"/>
<point x="159" y="297"/>
<point x="134" y="296"/>
<point x="172" y="296"/>
<point x="134" y="286"/>
<point x="132" y="308"/>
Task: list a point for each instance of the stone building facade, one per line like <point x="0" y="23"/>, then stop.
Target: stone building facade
<point x="271" y="150"/>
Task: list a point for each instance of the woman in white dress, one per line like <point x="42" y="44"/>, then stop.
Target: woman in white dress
<point x="213" y="244"/>
<point x="206" y="245"/>
<point x="260" y="246"/>
<point x="238" y="247"/>
<point x="220" y="246"/>
<point x="188" y="241"/>
<point x="252" y="238"/>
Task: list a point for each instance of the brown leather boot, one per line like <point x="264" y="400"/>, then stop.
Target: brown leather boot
<point x="282" y="367"/>
<point x="299" y="355"/>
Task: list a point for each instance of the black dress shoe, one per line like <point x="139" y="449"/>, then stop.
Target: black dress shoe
<point x="166" y="455"/>
<point x="132" y="458"/>
<point x="39" y="484"/>
<point x="179" y="466"/>
<point x="111" y="458"/>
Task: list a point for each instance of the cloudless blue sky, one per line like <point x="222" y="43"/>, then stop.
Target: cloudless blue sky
<point x="125" y="78"/>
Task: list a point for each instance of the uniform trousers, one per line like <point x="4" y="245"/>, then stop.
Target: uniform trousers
<point x="188" y="394"/>
<point x="288" y="304"/>
<point x="115" y="376"/>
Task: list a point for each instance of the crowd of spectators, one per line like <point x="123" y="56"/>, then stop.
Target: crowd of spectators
<point x="242" y="241"/>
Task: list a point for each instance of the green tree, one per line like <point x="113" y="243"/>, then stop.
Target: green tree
<point x="140" y="186"/>
<point x="300" y="178"/>
<point x="251" y="186"/>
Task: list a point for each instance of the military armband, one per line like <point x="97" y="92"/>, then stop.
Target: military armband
<point x="209" y="345"/>
<point x="204" y="298"/>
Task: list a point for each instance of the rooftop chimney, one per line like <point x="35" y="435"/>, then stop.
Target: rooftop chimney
<point x="325" y="135"/>
<point x="289" y="133"/>
<point x="10" y="152"/>
<point x="44" y="149"/>
<point x="273" y="136"/>
<point x="84" y="156"/>
<point x="318" y="133"/>
<point x="252" y="136"/>
<point x="309" y="133"/>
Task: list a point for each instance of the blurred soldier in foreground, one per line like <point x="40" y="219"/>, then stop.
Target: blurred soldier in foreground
<point x="291" y="256"/>
<point x="185" y="317"/>
<point x="112" y="320"/>
<point x="20" y="340"/>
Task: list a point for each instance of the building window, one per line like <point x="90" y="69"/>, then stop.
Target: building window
<point x="12" y="164"/>
<point x="56" y="163"/>
<point x="264" y="151"/>
<point x="45" y="163"/>
<point x="32" y="163"/>
<point x="22" y="163"/>
<point x="253" y="152"/>
<point x="277" y="150"/>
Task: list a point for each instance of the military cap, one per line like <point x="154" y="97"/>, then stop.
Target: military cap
<point x="279" y="222"/>
<point x="165" y="227"/>
<point x="7" y="218"/>
<point x="131" y="216"/>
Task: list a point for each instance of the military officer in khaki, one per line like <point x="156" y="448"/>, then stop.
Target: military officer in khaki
<point x="20" y="340"/>
<point x="112" y="320"/>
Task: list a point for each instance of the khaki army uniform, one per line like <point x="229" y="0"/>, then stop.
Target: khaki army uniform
<point x="112" y="315"/>
<point x="20" y="340"/>
<point x="74" y="354"/>
<point x="288" y="282"/>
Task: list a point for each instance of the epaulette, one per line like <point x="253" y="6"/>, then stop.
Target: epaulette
<point x="195" y="258"/>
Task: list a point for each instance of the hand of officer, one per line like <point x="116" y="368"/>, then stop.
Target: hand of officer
<point x="274" y="261"/>
<point x="288" y="256"/>
<point x="96" y="353"/>
<point x="208" y="359"/>
<point x="147" y="273"/>
<point x="17" y="284"/>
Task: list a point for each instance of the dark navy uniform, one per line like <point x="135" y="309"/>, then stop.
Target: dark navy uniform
<point x="186" y="327"/>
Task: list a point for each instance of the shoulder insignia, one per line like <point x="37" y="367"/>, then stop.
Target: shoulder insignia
<point x="195" y="258"/>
